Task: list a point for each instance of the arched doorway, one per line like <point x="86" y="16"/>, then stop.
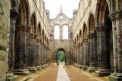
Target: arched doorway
<point x="60" y="56"/>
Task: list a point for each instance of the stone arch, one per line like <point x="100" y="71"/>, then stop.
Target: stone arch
<point x="34" y="23"/>
<point x="80" y="35"/>
<point x="42" y="36"/>
<point x="60" y="49"/>
<point x="39" y="29"/>
<point x="91" y="23"/>
<point x="20" y="44"/>
<point x="102" y="5"/>
<point x="23" y="13"/>
<point x="84" y="31"/>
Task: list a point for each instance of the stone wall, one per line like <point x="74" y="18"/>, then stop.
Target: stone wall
<point x="4" y="32"/>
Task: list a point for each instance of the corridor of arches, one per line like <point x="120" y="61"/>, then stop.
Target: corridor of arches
<point x="36" y="47"/>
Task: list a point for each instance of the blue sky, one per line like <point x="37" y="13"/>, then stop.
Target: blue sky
<point x="68" y="6"/>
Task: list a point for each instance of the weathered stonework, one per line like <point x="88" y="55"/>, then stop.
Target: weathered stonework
<point x="4" y="37"/>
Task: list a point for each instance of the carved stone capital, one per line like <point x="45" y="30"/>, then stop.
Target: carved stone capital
<point x="116" y="14"/>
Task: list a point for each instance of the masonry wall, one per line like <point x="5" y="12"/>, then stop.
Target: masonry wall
<point x="4" y="32"/>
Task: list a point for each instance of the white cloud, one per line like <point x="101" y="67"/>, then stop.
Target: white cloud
<point x="68" y="6"/>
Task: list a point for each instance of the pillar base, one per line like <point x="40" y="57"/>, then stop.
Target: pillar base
<point x="103" y="72"/>
<point x="39" y="68"/>
<point x="32" y="69"/>
<point x="11" y="77"/>
<point x="115" y="77"/>
<point x="21" y="72"/>
<point x="91" y="69"/>
<point x="84" y="68"/>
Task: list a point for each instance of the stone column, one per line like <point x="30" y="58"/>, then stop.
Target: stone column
<point x="31" y="50"/>
<point x="77" y="54"/>
<point x="116" y="17"/>
<point x="43" y="53"/>
<point x="38" y="52"/>
<point x="11" y="54"/>
<point x="85" y="54"/>
<point x="21" y="57"/>
<point x="101" y="50"/>
<point x="92" y="53"/>
<point x="81" y="54"/>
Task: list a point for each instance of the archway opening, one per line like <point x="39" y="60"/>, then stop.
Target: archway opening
<point x="108" y="38"/>
<point x="60" y="56"/>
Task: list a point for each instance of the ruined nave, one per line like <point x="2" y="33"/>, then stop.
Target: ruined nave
<point x="35" y="47"/>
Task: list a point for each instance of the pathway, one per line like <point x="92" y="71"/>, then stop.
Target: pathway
<point x="62" y="75"/>
<point x="67" y="73"/>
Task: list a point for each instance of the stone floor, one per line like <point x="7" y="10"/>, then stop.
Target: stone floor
<point x="64" y="73"/>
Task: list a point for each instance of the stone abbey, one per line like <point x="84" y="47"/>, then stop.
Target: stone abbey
<point x="93" y="42"/>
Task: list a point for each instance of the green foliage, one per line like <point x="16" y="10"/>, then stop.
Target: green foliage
<point x="61" y="56"/>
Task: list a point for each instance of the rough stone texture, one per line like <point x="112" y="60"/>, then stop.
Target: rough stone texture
<point x="4" y="32"/>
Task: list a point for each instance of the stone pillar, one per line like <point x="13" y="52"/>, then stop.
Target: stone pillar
<point x="85" y="54"/>
<point x="116" y="17"/>
<point x="11" y="55"/>
<point x="21" y="57"/>
<point x="31" y="50"/>
<point x="92" y="53"/>
<point x="38" y="52"/>
<point x="77" y="54"/>
<point x="81" y="54"/>
<point x="101" y="50"/>
<point x="43" y="53"/>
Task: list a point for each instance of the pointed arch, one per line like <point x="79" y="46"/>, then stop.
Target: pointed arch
<point x="39" y="29"/>
<point x="102" y="5"/>
<point x="23" y="13"/>
<point x="84" y="31"/>
<point x="91" y="23"/>
<point x="34" y="23"/>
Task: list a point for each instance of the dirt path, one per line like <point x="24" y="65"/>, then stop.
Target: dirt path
<point x="78" y="75"/>
<point x="49" y="75"/>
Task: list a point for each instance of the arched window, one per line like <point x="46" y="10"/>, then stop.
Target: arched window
<point x="65" y="32"/>
<point x="56" y="32"/>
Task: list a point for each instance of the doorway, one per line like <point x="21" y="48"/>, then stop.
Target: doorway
<point x="60" y="56"/>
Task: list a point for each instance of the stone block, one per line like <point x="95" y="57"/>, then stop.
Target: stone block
<point x="32" y="69"/>
<point x="102" y="72"/>
<point x="84" y="68"/>
<point x="91" y="69"/>
<point x="11" y="77"/>
<point x="115" y="77"/>
<point x="39" y="68"/>
<point x="21" y="72"/>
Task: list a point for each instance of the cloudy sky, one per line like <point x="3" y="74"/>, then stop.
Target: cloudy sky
<point x="68" y="6"/>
